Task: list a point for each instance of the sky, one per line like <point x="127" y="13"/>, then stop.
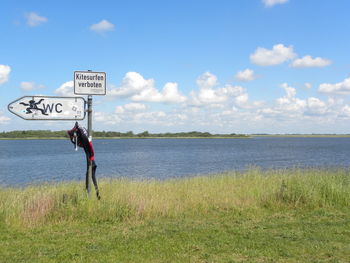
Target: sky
<point x="243" y="66"/>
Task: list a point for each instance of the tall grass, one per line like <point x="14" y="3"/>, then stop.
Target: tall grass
<point x="125" y="200"/>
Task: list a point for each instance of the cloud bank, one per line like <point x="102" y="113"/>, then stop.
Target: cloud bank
<point x="135" y="87"/>
<point x="340" y="88"/>
<point x="224" y="107"/>
<point x="4" y="73"/>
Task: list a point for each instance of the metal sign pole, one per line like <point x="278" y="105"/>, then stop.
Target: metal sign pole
<point x="89" y="175"/>
<point x="90" y="115"/>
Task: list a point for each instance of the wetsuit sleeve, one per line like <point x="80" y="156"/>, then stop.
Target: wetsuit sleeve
<point x="84" y="142"/>
<point x="92" y="152"/>
<point x="71" y="135"/>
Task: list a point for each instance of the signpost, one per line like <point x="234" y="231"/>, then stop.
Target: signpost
<point x="89" y="83"/>
<point x="64" y="108"/>
<point x="48" y="108"/>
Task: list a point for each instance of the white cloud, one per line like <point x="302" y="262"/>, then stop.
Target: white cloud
<point x="289" y="104"/>
<point x="4" y="73"/>
<point x="169" y="94"/>
<point x="223" y="108"/>
<point x="130" y="107"/>
<point x="219" y="98"/>
<point x="268" y="112"/>
<point x="308" y="62"/>
<point x="208" y="96"/>
<point x="289" y="107"/>
<point x="150" y="95"/>
<point x="207" y="80"/>
<point x="139" y="89"/>
<point x="106" y="118"/>
<point x="133" y="83"/>
<point x="229" y="90"/>
<point x="149" y="117"/>
<point x="307" y="85"/>
<point x="99" y="116"/>
<point x="33" y="19"/>
<point x="316" y="107"/>
<point x="270" y="3"/>
<point x="102" y="26"/>
<point x="133" y="113"/>
<point x="278" y="55"/>
<point x="345" y="111"/>
<point x="66" y="89"/>
<point x="245" y="75"/>
<point x="3" y="119"/>
<point x="341" y="88"/>
<point x="291" y="92"/>
<point x="135" y="107"/>
<point x="242" y="100"/>
<point x="28" y="86"/>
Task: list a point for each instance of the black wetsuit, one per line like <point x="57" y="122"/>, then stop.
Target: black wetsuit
<point x="81" y="135"/>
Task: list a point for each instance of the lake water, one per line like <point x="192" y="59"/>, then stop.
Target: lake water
<point x="24" y="162"/>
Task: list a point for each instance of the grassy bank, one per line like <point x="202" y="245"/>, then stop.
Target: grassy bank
<point x="283" y="216"/>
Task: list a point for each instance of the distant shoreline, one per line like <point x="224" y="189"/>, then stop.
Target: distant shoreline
<point x="62" y="135"/>
<point x="303" y="135"/>
<point x="127" y="138"/>
<point x="52" y="135"/>
<point x="212" y="137"/>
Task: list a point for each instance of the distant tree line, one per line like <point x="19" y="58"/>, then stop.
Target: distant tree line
<point x="146" y="134"/>
<point x="113" y="134"/>
<point x="34" y="134"/>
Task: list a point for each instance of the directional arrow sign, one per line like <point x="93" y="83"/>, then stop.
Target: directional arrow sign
<point x="48" y="108"/>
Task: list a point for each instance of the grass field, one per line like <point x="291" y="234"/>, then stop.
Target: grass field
<point x="253" y="216"/>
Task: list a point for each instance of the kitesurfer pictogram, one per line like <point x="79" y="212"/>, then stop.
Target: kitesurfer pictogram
<point x="34" y="106"/>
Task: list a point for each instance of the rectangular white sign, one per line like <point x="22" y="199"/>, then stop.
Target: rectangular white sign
<point x="48" y="108"/>
<point x="89" y="83"/>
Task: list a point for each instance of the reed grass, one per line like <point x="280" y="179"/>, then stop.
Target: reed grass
<point x="291" y="215"/>
<point x="132" y="201"/>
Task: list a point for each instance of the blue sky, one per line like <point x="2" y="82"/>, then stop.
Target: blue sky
<point x="245" y="66"/>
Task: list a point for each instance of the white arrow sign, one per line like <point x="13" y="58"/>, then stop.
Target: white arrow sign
<point x="48" y="108"/>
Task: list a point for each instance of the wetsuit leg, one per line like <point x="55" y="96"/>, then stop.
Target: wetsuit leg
<point x="94" y="166"/>
<point x="87" y="174"/>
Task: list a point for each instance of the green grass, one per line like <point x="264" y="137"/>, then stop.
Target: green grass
<point x="255" y="216"/>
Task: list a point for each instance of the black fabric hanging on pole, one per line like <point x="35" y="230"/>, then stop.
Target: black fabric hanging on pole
<point x="80" y="136"/>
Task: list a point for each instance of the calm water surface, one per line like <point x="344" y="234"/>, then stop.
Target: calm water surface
<point x="25" y="162"/>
